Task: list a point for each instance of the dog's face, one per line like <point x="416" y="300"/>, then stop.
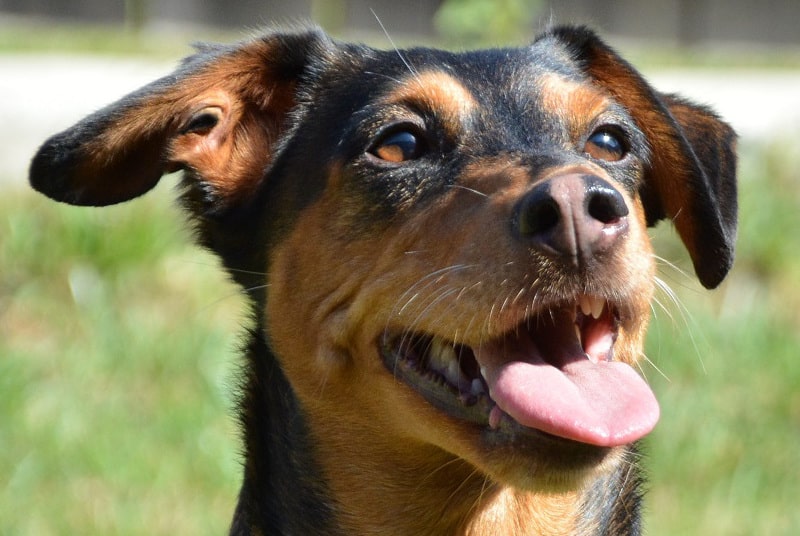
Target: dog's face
<point x="454" y="246"/>
<point x="477" y="213"/>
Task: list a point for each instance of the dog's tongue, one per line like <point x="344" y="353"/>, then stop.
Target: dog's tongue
<point x="552" y="385"/>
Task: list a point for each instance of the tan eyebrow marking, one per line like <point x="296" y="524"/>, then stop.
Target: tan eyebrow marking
<point x="438" y="92"/>
<point x="578" y="103"/>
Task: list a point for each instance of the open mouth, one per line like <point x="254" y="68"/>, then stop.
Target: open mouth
<point x="554" y="373"/>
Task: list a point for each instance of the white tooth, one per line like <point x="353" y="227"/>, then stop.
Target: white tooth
<point x="477" y="387"/>
<point x="437" y="355"/>
<point x="578" y="333"/>
<point x="598" y="304"/>
<point x="483" y="372"/>
<point x="454" y="375"/>
<point x="586" y="304"/>
<point x="443" y="360"/>
<point x="449" y="354"/>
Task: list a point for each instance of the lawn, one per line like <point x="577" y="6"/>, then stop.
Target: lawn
<point x="725" y="460"/>
<point x="118" y="372"/>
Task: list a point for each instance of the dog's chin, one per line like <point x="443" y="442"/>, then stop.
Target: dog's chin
<point x="461" y="381"/>
<point x="529" y="459"/>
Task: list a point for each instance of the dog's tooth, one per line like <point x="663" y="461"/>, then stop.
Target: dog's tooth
<point x="434" y="355"/>
<point x="443" y="359"/>
<point x="438" y="355"/>
<point x="585" y="304"/>
<point x="477" y="387"/>
<point x="578" y="333"/>
<point x="453" y="373"/>
<point x="598" y="304"/>
<point x="448" y="354"/>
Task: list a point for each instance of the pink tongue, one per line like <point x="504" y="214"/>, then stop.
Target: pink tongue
<point x="605" y="404"/>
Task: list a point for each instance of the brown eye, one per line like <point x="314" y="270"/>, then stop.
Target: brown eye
<point x="607" y="145"/>
<point x="399" y="147"/>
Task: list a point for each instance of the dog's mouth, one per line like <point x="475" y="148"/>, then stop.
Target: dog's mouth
<point x="554" y="373"/>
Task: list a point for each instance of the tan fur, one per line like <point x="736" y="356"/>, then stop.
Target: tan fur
<point x="437" y="92"/>
<point x="578" y="103"/>
<point x="231" y="159"/>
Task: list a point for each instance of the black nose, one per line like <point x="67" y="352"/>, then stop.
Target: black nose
<point x="572" y="217"/>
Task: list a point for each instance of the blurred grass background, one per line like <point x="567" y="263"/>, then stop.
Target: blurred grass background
<point x="117" y="373"/>
<point x="118" y="365"/>
<point x="724" y="459"/>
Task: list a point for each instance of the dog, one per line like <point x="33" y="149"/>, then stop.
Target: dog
<point x="447" y="260"/>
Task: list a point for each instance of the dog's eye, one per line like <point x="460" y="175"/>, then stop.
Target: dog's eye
<point x="399" y="146"/>
<point x="202" y="121"/>
<point x="606" y="144"/>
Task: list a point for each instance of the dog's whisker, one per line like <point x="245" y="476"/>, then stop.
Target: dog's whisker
<point x="467" y="188"/>
<point x="650" y="362"/>
<point x="522" y="291"/>
<point x="431" y="275"/>
<point x="418" y="289"/>
<point x="504" y="305"/>
<point x="216" y="265"/>
<point x="453" y="495"/>
<point x="397" y="50"/>
<point x="442" y="295"/>
<point x="670" y="294"/>
<point x="686" y="317"/>
<point x="487" y="325"/>
<point x="434" y="299"/>
<point x="255" y="288"/>
<point x="682" y="278"/>
<point x="386" y="76"/>
<point x="230" y="295"/>
<point x="429" y="476"/>
<point x="658" y="304"/>
<point x="485" y="485"/>
<point x="663" y="261"/>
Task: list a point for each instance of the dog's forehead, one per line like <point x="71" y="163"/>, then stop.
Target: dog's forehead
<point x="483" y="70"/>
<point x="530" y="84"/>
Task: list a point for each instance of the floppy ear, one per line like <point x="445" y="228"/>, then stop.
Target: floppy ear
<point x="691" y="176"/>
<point x="217" y="117"/>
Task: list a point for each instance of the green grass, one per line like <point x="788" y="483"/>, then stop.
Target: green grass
<point x="118" y="349"/>
<point x="724" y="459"/>
<point x="118" y="365"/>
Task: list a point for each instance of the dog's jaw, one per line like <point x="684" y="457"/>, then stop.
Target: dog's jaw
<point x="552" y="373"/>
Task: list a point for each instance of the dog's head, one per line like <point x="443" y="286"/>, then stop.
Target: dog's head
<point x="454" y="246"/>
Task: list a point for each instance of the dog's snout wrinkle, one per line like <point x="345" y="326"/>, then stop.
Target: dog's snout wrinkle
<point x="572" y="217"/>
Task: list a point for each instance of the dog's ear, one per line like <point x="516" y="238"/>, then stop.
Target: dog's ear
<point x="691" y="176"/>
<point x="218" y="117"/>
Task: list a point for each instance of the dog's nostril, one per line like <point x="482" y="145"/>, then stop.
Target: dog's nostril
<point x="605" y="204"/>
<point x="539" y="213"/>
<point x="572" y="217"/>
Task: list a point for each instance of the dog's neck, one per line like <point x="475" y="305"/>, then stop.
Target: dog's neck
<point x="429" y="492"/>
<point x="426" y="491"/>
